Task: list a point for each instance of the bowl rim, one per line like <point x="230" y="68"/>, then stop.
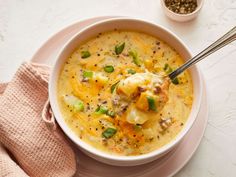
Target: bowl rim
<point x="89" y="148"/>
<point x="199" y="6"/>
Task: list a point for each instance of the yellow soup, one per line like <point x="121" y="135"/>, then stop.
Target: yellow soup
<point x="111" y="94"/>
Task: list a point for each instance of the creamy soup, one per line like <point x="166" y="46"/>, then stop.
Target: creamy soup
<point x="112" y="94"/>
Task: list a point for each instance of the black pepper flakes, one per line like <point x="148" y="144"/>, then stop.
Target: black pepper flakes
<point x="181" y="6"/>
<point x="104" y="102"/>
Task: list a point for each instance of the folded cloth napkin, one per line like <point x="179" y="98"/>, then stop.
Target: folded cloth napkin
<point x="39" y="151"/>
<point x="8" y="167"/>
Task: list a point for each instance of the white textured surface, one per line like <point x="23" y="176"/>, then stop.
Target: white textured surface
<point x="26" y="24"/>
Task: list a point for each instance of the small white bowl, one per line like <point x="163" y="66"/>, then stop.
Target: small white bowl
<point x="126" y="24"/>
<point x="182" y="17"/>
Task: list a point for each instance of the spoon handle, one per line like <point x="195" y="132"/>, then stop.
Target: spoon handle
<point x="221" y="42"/>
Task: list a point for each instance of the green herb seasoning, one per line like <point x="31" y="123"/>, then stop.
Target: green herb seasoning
<point x="73" y="103"/>
<point x="175" y="81"/>
<point x="109" y="69"/>
<point x="181" y="6"/>
<point x="114" y="86"/>
<point x="135" y="57"/>
<point x="85" y="54"/>
<point x="79" y="106"/>
<point x="101" y="110"/>
<point x="111" y="114"/>
<point x="151" y="103"/>
<point x="88" y="74"/>
<point x="119" y="48"/>
<point x="168" y="70"/>
<point x="109" y="132"/>
<point x="131" y="71"/>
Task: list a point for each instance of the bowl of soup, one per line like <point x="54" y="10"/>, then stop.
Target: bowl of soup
<point x="110" y="95"/>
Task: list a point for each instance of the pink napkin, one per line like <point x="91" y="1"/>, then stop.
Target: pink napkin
<point x="39" y="150"/>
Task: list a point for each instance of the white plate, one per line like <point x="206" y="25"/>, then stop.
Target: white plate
<point x="169" y="165"/>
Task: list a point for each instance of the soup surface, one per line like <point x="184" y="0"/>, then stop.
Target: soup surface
<point x="111" y="94"/>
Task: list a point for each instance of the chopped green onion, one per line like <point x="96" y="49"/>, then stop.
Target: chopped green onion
<point x="111" y="114"/>
<point x="134" y="55"/>
<point x="85" y="54"/>
<point x="101" y="110"/>
<point x="114" y="86"/>
<point x="109" y="132"/>
<point x="151" y="103"/>
<point x="73" y="103"/>
<point x="88" y="74"/>
<point x="166" y="66"/>
<point x="131" y="71"/>
<point x="168" y="70"/>
<point x="79" y="106"/>
<point x="175" y="81"/>
<point x="109" y="69"/>
<point x="119" y="48"/>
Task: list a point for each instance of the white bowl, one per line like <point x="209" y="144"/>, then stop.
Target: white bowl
<point x="128" y="24"/>
<point x="182" y="17"/>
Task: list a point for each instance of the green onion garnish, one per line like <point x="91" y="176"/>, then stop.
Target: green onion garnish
<point x="88" y="74"/>
<point x="101" y="110"/>
<point x="119" y="48"/>
<point x="114" y="86"/>
<point x="79" y="106"/>
<point x="151" y="103"/>
<point x="134" y="55"/>
<point x="131" y="71"/>
<point x="74" y="103"/>
<point x="109" y="132"/>
<point x="111" y="114"/>
<point x="175" y="81"/>
<point x="109" y="69"/>
<point x="85" y="54"/>
<point x="168" y="70"/>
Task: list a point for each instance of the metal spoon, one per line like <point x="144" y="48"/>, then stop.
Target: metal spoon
<point x="221" y="42"/>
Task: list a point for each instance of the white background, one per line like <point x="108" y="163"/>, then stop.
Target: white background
<point x="26" y="24"/>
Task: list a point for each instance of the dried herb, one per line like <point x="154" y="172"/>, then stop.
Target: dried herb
<point x="181" y="6"/>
